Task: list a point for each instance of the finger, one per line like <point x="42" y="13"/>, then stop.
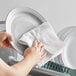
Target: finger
<point x="6" y="43"/>
<point x="1" y="45"/>
<point x="44" y="55"/>
<point x="10" y="46"/>
<point x="35" y="43"/>
<point x="3" y="36"/>
<point x="9" y="37"/>
<point x="42" y="51"/>
<point x="40" y="44"/>
<point x="42" y="48"/>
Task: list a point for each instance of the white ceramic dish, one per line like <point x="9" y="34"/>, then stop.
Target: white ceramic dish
<point x="68" y="35"/>
<point x="21" y="20"/>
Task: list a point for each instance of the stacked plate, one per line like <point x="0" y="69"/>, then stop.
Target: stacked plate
<point x="67" y="58"/>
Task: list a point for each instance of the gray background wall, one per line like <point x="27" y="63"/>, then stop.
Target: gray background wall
<point x="60" y="13"/>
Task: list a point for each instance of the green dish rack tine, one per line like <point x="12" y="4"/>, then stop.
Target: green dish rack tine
<point x="73" y="72"/>
<point x="59" y="68"/>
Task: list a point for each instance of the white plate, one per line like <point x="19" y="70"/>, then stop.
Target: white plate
<point x="19" y="21"/>
<point x="68" y="35"/>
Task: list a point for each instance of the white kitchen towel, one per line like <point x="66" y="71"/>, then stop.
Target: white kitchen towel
<point x="47" y="36"/>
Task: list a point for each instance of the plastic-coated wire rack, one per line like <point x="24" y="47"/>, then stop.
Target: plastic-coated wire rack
<point x="59" y="68"/>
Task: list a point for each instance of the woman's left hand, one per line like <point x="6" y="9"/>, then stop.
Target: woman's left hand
<point x="4" y="40"/>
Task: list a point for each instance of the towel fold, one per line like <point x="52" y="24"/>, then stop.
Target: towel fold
<point x="47" y="36"/>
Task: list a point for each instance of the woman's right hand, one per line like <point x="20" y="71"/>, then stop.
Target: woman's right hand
<point x="36" y="53"/>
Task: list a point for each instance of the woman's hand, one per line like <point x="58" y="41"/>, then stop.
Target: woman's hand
<point x="4" y="40"/>
<point x="36" y="53"/>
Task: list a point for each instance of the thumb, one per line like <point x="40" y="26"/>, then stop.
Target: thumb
<point x="3" y="36"/>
